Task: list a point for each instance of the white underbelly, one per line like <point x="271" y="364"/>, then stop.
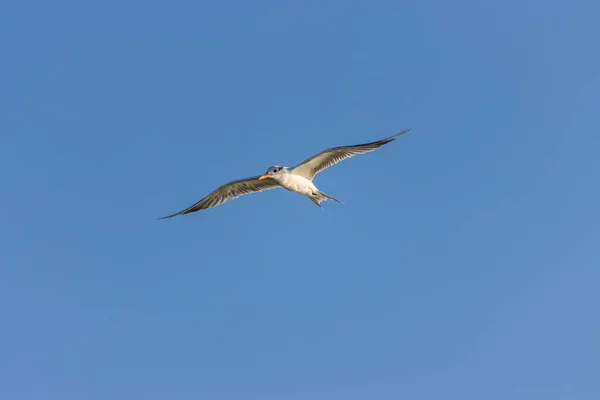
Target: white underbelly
<point x="298" y="184"/>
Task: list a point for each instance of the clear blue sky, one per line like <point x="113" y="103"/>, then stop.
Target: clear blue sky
<point x="464" y="263"/>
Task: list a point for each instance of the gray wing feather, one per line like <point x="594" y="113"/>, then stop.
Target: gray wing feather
<point x="230" y="190"/>
<point x="325" y="159"/>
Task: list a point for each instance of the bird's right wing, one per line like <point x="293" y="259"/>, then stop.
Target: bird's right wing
<point x="230" y="190"/>
<point x="325" y="159"/>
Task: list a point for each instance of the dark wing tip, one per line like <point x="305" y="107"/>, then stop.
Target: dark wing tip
<point x="387" y="140"/>
<point x="168" y="216"/>
<point x="398" y="134"/>
<point x="183" y="212"/>
<point x="188" y="210"/>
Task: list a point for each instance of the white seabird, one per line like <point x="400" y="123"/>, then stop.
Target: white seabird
<point x="298" y="179"/>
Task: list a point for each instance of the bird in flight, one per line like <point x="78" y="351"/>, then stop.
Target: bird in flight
<point x="298" y="179"/>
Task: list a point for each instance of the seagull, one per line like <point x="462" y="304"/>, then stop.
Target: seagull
<point x="297" y="179"/>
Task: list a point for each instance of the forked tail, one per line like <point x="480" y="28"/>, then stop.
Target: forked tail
<point x="320" y="196"/>
<point x="328" y="197"/>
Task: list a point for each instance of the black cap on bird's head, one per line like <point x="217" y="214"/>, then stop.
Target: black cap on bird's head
<point x="274" y="170"/>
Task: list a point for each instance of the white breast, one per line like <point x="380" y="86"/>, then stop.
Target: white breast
<point x="298" y="184"/>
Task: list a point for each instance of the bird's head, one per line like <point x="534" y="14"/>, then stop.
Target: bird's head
<point x="273" y="172"/>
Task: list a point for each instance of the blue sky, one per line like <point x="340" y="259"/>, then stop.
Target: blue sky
<point x="463" y="264"/>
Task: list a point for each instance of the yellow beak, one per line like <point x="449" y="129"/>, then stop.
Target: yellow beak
<point x="264" y="176"/>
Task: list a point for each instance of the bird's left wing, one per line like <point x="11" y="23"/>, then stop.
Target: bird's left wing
<point x="325" y="159"/>
<point x="230" y="190"/>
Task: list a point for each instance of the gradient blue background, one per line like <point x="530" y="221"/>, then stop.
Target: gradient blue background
<point x="463" y="265"/>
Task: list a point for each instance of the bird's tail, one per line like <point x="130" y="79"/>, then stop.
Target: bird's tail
<point x="320" y="196"/>
<point x="328" y="197"/>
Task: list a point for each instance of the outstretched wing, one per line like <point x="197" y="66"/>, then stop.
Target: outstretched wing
<point x="230" y="190"/>
<point x="325" y="159"/>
